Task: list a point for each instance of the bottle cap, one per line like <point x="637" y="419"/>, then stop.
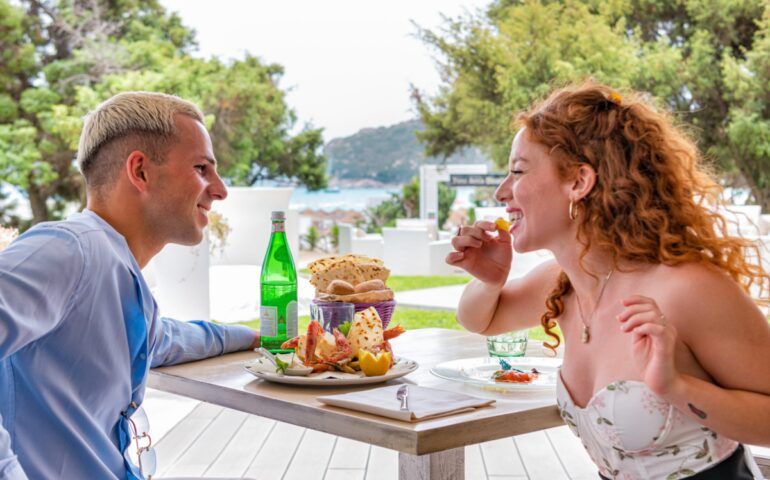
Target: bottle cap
<point x="278" y="215"/>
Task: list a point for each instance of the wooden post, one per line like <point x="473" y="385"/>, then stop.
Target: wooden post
<point x="449" y="464"/>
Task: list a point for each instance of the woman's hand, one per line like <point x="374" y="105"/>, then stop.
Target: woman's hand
<point x="653" y="342"/>
<point x="481" y="253"/>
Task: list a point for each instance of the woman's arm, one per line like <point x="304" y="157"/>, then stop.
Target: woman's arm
<point x="519" y="304"/>
<point x="730" y="338"/>
<point x="492" y="304"/>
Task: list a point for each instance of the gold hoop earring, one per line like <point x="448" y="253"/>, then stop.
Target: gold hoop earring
<point x="572" y="215"/>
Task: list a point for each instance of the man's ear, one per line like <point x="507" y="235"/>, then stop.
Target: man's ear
<point x="137" y="165"/>
<point x="585" y="179"/>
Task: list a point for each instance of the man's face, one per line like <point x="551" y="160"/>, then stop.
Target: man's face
<point x="186" y="184"/>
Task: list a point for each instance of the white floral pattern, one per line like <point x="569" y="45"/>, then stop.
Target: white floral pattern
<point x="632" y="434"/>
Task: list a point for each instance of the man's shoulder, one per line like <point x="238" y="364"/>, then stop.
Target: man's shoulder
<point x="79" y="236"/>
<point x="77" y="224"/>
<point x="82" y="227"/>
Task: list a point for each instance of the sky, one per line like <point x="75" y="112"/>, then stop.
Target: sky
<point x="348" y="63"/>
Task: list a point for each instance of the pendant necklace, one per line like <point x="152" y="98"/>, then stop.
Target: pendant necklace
<point x="585" y="337"/>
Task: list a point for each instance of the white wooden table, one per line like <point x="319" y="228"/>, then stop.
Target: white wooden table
<point x="430" y="449"/>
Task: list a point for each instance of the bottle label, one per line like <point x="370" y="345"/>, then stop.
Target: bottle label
<point x="268" y="321"/>
<point x="291" y="319"/>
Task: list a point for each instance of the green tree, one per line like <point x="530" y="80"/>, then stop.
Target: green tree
<point x="334" y="237"/>
<point x="311" y="238"/>
<point x="410" y="196"/>
<point x="704" y="60"/>
<point x="385" y="213"/>
<point x="446" y="197"/>
<point x="60" y="58"/>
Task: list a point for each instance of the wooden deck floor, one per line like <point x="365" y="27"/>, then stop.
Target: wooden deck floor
<point x="199" y="440"/>
<point x="212" y="441"/>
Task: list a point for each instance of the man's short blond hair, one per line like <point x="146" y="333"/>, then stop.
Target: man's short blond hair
<point x="126" y="122"/>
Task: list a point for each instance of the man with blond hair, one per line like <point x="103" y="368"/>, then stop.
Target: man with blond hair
<point x="79" y="328"/>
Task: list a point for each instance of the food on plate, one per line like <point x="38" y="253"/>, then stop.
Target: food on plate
<point x="373" y="365"/>
<point x="365" y="331"/>
<point x="350" y="278"/>
<point x="515" y="376"/>
<point x="324" y="351"/>
<point x="503" y="224"/>
<point x="509" y="374"/>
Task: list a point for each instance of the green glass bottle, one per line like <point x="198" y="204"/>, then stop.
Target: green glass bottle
<point x="278" y="286"/>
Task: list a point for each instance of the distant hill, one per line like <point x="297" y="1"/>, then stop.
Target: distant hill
<point x="386" y="154"/>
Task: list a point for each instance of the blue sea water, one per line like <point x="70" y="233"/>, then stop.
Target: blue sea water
<point x="358" y="199"/>
<point x="344" y="198"/>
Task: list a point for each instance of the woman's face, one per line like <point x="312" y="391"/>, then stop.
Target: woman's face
<point x="536" y="199"/>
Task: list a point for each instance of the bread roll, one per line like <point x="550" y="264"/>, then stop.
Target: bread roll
<point x="372" y="296"/>
<point x="368" y="286"/>
<point x="340" y="287"/>
<point x="340" y="270"/>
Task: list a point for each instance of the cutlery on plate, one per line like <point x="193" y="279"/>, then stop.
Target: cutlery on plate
<point x="267" y="354"/>
<point x="402" y="394"/>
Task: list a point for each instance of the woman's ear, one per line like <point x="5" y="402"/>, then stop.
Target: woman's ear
<point x="585" y="179"/>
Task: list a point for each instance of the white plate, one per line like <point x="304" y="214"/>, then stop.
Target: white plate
<point x="479" y="371"/>
<point x="401" y="367"/>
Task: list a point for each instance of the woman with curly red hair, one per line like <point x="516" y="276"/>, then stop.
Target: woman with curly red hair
<point x="666" y="366"/>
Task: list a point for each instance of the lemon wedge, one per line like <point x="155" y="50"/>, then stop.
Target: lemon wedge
<point x="373" y="365"/>
<point x="503" y="224"/>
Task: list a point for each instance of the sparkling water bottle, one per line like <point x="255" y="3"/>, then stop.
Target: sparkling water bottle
<point x="278" y="302"/>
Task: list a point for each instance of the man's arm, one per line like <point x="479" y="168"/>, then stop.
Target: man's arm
<point x="39" y="275"/>
<point x="179" y="342"/>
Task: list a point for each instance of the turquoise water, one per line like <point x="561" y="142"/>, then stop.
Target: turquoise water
<point x="344" y="198"/>
<point x="355" y="198"/>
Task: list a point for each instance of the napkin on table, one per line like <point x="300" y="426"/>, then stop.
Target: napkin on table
<point x="424" y="403"/>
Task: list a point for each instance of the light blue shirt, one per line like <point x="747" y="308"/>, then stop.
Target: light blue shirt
<point x="68" y="291"/>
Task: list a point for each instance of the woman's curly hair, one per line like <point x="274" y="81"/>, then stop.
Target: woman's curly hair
<point x="653" y="201"/>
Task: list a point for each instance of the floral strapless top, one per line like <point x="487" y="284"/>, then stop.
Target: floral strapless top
<point x="631" y="433"/>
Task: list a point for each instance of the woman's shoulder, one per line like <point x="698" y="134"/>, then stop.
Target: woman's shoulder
<point x="688" y="277"/>
<point x="693" y="291"/>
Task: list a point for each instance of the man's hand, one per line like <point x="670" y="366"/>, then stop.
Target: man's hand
<point x="256" y="343"/>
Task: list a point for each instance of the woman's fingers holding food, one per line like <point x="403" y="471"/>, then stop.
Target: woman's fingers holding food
<point x="454" y="258"/>
<point x="485" y="225"/>
<point x="462" y="242"/>
<point x="471" y="236"/>
<point x="480" y="230"/>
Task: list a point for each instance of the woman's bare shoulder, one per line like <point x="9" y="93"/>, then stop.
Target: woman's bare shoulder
<point x="693" y="295"/>
<point x="693" y="280"/>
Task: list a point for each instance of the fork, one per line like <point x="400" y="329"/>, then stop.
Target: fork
<point x="402" y="394"/>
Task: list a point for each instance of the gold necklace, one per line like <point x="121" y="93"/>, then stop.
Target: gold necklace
<point x="585" y="337"/>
